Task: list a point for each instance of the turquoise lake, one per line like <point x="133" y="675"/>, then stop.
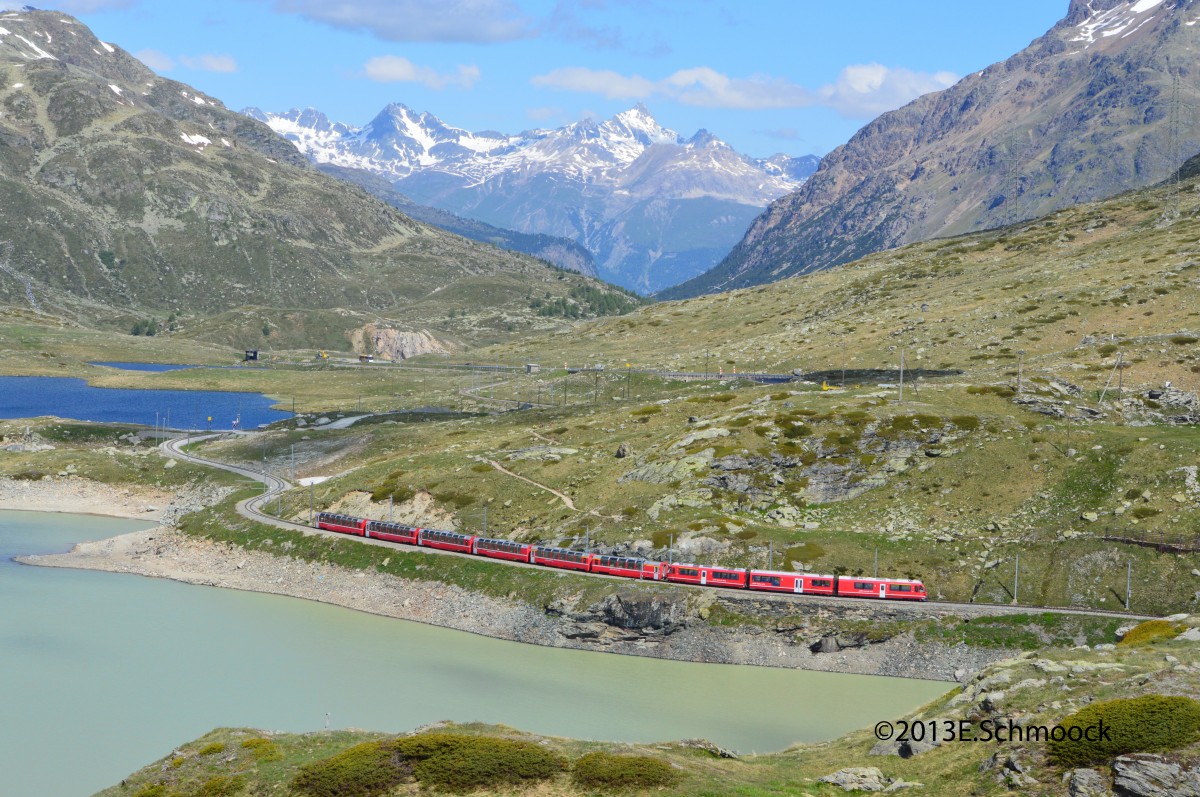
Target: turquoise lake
<point x="104" y="673"/>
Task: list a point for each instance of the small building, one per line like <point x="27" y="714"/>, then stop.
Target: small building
<point x="533" y="368"/>
<point x="366" y="358"/>
<point x="251" y="356"/>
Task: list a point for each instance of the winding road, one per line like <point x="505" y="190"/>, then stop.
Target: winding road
<point x="252" y="508"/>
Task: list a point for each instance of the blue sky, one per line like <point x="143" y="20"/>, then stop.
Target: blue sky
<point x="797" y="77"/>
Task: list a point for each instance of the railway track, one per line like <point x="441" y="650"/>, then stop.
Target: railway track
<point x="252" y="509"/>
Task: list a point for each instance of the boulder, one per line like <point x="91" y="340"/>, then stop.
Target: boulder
<point x="906" y="749"/>
<point x="1086" y="783"/>
<point x="858" y="779"/>
<point x="623" y="451"/>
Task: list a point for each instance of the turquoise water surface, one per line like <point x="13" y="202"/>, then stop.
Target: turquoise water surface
<point x="104" y="673"/>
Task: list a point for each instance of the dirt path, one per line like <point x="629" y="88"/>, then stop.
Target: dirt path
<point x="566" y="499"/>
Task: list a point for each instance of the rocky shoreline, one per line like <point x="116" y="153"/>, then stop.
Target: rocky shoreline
<point x="627" y="621"/>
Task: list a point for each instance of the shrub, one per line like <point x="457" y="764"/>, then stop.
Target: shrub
<point x="364" y="770"/>
<point x="152" y="790"/>
<point x="797" y="430"/>
<point x="1183" y="340"/>
<point x="967" y="423"/>
<point x="466" y="763"/>
<point x="1149" y="632"/>
<point x="212" y="748"/>
<point x="652" y="409"/>
<point x="1143" y="512"/>
<point x="1139" y="724"/>
<point x="608" y="771"/>
<point x="263" y="749"/>
<point x="221" y="786"/>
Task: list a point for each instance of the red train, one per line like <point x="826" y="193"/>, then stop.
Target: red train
<point x="628" y="566"/>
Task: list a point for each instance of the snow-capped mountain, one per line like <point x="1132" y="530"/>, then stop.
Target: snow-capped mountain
<point x="654" y="208"/>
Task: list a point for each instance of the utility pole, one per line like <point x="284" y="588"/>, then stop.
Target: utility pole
<point x="312" y="513"/>
<point x="1020" y="365"/>
<point x="1016" y="577"/>
<point x="876" y="573"/>
<point x="485" y="520"/>
<point x="770" y="553"/>
<point x="391" y="504"/>
<point x="902" y="376"/>
<point x="1128" y="583"/>
<point x="293" y="462"/>
<point x="706" y="355"/>
<point x="670" y="549"/>
<point x="587" y="542"/>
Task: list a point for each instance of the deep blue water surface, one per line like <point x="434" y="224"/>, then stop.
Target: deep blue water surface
<point x="156" y="367"/>
<point x="67" y="397"/>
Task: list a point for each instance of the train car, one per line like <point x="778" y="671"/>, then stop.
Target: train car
<point x="345" y="524"/>
<point x="883" y="588"/>
<point x="629" y="567"/>
<point x="561" y="557"/>
<point x="795" y="583"/>
<point x="904" y="589"/>
<point x="446" y="540"/>
<point x="502" y="549"/>
<point x="707" y="576"/>
<point x="392" y="532"/>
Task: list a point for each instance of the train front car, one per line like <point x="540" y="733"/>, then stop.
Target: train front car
<point x="904" y="589"/>
<point x="561" y="557"/>
<point x="344" y="524"/>
<point x="393" y="532"/>
<point x="706" y="576"/>
<point x="884" y="588"/>
<point x="446" y="540"/>
<point x="629" y="567"/>
<point x="503" y="549"/>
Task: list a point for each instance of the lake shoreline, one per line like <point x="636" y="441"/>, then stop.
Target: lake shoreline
<point x="165" y="552"/>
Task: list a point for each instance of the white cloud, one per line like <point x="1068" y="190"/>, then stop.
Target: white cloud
<point x="158" y="61"/>
<point x="210" y="63"/>
<point x="867" y="90"/>
<point x="396" y="69"/>
<point x="420" y="20"/>
<point x="597" y="81"/>
<point x="861" y="90"/>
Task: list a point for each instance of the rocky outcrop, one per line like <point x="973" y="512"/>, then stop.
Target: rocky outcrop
<point x="867" y="779"/>
<point x="1154" y="776"/>
<point x="395" y="344"/>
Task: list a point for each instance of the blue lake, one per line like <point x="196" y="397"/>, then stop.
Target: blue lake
<point x="67" y="397"/>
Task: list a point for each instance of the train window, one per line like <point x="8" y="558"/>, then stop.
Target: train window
<point x="899" y="588"/>
<point x="822" y="582"/>
<point x="687" y="571"/>
<point x="863" y="585"/>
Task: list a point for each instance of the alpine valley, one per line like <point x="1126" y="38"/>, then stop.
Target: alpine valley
<point x="653" y="208"/>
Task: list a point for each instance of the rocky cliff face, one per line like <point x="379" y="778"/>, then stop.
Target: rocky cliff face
<point x="1102" y="103"/>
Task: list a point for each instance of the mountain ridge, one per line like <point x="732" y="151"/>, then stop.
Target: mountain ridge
<point x="126" y="193"/>
<point x="1084" y="112"/>
<point x="628" y="189"/>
